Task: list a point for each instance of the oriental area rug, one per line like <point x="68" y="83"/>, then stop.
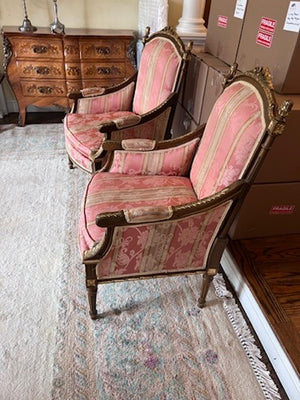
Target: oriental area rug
<point x="152" y="342"/>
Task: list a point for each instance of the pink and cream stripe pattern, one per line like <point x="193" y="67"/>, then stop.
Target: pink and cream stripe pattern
<point x="116" y="101"/>
<point x="173" y="246"/>
<point x="235" y="126"/>
<point x="157" y="75"/>
<point x="174" y="161"/>
<point x="108" y="192"/>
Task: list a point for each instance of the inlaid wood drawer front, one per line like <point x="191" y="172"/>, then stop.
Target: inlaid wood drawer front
<point x="73" y="70"/>
<point x="103" y="70"/>
<point x="71" y="49"/>
<point x="37" y="48"/>
<point x="35" y="69"/>
<point x="43" y="88"/>
<point x="102" y="49"/>
<point x="74" y="86"/>
<point x="100" y="83"/>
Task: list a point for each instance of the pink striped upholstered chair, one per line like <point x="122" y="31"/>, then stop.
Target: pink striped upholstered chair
<point x="142" y="106"/>
<point x="161" y="208"/>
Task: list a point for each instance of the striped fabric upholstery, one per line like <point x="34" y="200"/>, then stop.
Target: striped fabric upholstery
<point x="232" y="133"/>
<point x="113" y="192"/>
<point x="172" y="246"/>
<point x="157" y="74"/>
<point x="117" y="101"/>
<point x="175" y="161"/>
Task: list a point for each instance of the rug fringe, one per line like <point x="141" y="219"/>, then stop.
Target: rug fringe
<point x="247" y="340"/>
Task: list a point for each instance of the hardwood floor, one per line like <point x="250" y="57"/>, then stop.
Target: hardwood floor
<point x="271" y="266"/>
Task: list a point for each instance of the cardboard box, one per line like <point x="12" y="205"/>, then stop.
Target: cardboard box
<point x="194" y="87"/>
<point x="217" y="69"/>
<point x="282" y="163"/>
<point x="182" y="122"/>
<point x="225" y="24"/>
<point x="270" y="37"/>
<point x="268" y="210"/>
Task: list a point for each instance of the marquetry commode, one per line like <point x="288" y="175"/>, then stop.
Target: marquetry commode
<point x="43" y="67"/>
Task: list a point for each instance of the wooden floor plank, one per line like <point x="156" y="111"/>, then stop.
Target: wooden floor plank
<point x="271" y="266"/>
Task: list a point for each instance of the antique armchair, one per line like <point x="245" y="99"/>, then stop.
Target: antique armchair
<point x="142" y="106"/>
<point x="162" y="208"/>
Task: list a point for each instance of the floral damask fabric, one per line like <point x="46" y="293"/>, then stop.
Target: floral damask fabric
<point x="181" y="245"/>
<point x="235" y="126"/>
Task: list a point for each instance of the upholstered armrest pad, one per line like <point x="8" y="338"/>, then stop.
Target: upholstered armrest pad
<point x="115" y="101"/>
<point x="138" y="144"/>
<point x="92" y="91"/>
<point x="148" y="214"/>
<point x="174" y="161"/>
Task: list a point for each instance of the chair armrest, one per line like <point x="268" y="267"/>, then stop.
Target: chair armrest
<point x="111" y="145"/>
<point x="166" y="215"/>
<point x="170" y="213"/>
<point x="170" y="102"/>
<point x="85" y="97"/>
<point x="148" y="214"/>
<point x="148" y="157"/>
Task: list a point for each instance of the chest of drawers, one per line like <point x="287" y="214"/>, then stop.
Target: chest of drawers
<point x="43" y="68"/>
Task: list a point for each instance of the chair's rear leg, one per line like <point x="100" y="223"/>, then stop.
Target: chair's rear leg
<point x="207" y="278"/>
<point x="71" y="165"/>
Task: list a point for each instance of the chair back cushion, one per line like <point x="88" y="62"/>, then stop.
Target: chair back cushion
<point x="234" y="130"/>
<point x="157" y="76"/>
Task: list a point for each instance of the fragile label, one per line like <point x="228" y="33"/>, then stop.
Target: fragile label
<point x="222" y="21"/>
<point x="267" y="24"/>
<point x="292" y="20"/>
<point x="282" y="209"/>
<point x="240" y="8"/>
<point x="264" y="39"/>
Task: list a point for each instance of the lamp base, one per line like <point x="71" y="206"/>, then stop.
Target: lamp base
<point x="27" y="27"/>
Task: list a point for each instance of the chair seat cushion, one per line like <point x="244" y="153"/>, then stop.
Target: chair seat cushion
<point x="82" y="134"/>
<point x="108" y="192"/>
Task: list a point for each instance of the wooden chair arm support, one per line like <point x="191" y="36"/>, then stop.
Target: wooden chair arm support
<point x="78" y="95"/>
<point x="111" y="145"/>
<point x="107" y="129"/>
<point x="120" y="218"/>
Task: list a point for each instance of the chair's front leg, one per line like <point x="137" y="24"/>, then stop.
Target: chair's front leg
<point x="92" y="287"/>
<point x="207" y="278"/>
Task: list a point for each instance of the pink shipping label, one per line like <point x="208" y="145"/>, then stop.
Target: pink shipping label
<point x="222" y="21"/>
<point x="267" y="24"/>
<point x="282" y="209"/>
<point x="264" y="39"/>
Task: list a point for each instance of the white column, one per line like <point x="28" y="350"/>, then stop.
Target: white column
<point x="192" y="23"/>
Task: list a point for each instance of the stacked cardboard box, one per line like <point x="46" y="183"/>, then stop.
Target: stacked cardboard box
<point x="266" y="33"/>
<point x="254" y="33"/>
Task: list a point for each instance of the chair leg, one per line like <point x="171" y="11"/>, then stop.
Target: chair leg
<point x="92" y="296"/>
<point x="71" y="165"/>
<point x="207" y="278"/>
<point x="92" y="287"/>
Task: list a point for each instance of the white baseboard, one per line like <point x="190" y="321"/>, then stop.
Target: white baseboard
<point x="280" y="361"/>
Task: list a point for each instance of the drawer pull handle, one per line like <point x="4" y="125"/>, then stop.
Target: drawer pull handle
<point x="104" y="70"/>
<point x="42" y="70"/>
<point x="39" y="49"/>
<point x="103" y="50"/>
<point x="45" y="90"/>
